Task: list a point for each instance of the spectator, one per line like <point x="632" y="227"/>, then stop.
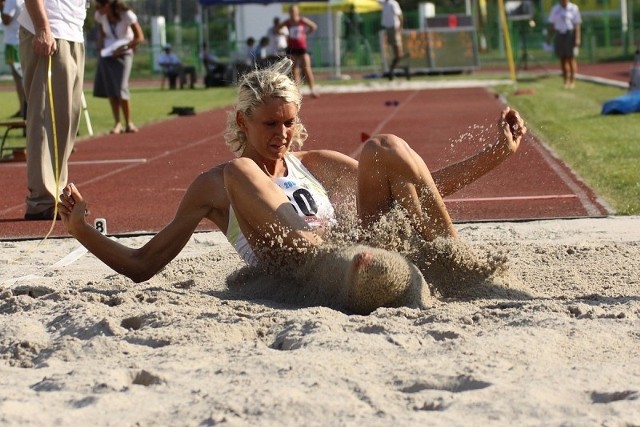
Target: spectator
<point x="10" y="11"/>
<point x="172" y="68"/>
<point x="564" y="27"/>
<point x="352" y="28"/>
<point x="393" y="22"/>
<point x="277" y="39"/>
<point x="261" y="52"/>
<point x="215" y="70"/>
<point x="248" y="54"/>
<point x="118" y="35"/>
<point x="244" y="59"/>
<point x="51" y="38"/>
<point x="299" y="27"/>
<point x="209" y="59"/>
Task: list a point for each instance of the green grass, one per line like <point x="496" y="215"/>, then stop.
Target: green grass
<point x="152" y="104"/>
<point x="148" y="105"/>
<point x="603" y="150"/>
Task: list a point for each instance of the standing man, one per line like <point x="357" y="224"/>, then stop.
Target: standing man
<point x="392" y="22"/>
<point x="51" y="37"/>
<point x="564" y="26"/>
<point x="10" y="11"/>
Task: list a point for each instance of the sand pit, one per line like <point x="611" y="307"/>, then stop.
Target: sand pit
<point x="81" y="344"/>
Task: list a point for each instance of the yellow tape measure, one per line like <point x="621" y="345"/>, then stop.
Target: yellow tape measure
<point x="54" y="130"/>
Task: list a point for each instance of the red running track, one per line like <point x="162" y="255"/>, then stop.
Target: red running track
<point x="136" y="181"/>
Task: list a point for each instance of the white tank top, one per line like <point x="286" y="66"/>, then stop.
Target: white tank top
<point x="308" y="197"/>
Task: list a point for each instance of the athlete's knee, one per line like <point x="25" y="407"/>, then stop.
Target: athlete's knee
<point x="384" y="146"/>
<point x="394" y="154"/>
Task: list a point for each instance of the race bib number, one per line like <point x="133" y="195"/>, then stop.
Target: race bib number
<point x="303" y="202"/>
<point x="296" y="33"/>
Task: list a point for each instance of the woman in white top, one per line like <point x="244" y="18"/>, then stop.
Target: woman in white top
<point x="565" y="28"/>
<point x="118" y="35"/>
<point x="275" y="202"/>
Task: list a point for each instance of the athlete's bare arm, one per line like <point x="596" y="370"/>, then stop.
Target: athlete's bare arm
<point x="205" y="198"/>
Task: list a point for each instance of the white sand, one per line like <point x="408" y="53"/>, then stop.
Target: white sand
<point x="81" y="345"/>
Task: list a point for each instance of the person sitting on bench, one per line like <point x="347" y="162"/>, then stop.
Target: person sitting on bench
<point x="216" y="71"/>
<point x="172" y="68"/>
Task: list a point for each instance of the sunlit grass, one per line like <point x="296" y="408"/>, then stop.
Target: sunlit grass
<point x="148" y="104"/>
<point x="604" y="150"/>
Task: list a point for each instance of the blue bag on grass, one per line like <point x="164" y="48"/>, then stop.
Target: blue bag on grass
<point x="624" y="104"/>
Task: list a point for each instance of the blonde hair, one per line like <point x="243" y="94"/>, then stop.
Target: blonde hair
<point x="254" y="90"/>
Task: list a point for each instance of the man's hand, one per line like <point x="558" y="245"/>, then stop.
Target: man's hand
<point x="44" y="44"/>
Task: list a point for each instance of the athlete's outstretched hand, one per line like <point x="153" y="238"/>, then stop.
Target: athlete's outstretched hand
<point x="512" y="130"/>
<point x="73" y="208"/>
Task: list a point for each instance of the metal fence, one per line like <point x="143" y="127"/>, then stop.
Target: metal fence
<point x="603" y="40"/>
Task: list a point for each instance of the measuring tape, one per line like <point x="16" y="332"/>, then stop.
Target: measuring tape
<point x="100" y="223"/>
<point x="54" y="130"/>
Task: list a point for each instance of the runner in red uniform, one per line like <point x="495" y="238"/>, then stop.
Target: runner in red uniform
<point x="299" y="27"/>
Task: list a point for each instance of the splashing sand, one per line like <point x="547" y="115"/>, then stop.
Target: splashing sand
<point x="399" y="269"/>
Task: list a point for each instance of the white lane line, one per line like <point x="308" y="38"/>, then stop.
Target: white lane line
<point x="394" y="113"/>
<point x="107" y="162"/>
<point x="554" y="162"/>
<point x="125" y="167"/>
<point x="87" y="162"/>
<point x="150" y="160"/>
<point x="513" y="198"/>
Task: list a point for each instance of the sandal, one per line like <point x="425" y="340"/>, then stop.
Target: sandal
<point x="116" y="129"/>
<point x="131" y="129"/>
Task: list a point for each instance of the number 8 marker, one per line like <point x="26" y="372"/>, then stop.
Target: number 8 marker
<point x="100" y="224"/>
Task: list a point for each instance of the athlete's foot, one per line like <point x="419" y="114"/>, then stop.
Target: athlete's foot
<point x="357" y="279"/>
<point x="362" y="261"/>
<point x="381" y="278"/>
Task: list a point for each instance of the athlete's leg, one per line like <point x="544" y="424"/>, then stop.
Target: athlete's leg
<point x="296" y="68"/>
<point x="390" y="171"/>
<point x="308" y="72"/>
